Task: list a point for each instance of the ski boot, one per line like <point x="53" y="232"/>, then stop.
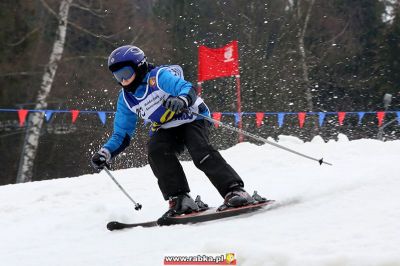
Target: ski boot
<point x="258" y="198"/>
<point x="202" y="206"/>
<point x="181" y="204"/>
<point x="237" y="197"/>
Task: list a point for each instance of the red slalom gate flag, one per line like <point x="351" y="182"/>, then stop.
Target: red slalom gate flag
<point x="218" y="62"/>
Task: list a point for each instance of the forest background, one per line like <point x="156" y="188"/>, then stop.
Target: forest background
<point x="295" y="56"/>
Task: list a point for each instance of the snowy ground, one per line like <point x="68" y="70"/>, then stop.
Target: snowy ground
<point x="347" y="214"/>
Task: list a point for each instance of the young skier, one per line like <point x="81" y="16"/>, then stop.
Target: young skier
<point x="161" y="95"/>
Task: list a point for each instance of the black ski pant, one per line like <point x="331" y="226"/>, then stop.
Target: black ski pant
<point x="166" y="144"/>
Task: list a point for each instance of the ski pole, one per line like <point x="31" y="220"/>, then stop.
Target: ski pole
<point x="261" y="139"/>
<point x="138" y="206"/>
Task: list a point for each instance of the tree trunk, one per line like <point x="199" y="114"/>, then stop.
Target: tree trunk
<point x="35" y="120"/>
<point x="303" y="56"/>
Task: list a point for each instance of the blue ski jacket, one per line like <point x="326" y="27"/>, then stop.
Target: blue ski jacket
<point x="147" y="103"/>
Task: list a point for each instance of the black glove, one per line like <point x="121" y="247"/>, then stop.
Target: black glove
<point x="176" y="104"/>
<point x="101" y="159"/>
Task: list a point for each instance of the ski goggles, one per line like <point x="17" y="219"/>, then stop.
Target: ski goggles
<point x="124" y="73"/>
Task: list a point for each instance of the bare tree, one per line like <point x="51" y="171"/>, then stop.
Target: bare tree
<point x="303" y="56"/>
<point x="35" y="120"/>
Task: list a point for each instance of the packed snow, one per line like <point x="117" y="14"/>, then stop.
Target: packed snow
<point x="345" y="214"/>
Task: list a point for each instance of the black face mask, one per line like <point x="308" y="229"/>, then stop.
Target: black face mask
<point x="140" y="75"/>
<point x="132" y="87"/>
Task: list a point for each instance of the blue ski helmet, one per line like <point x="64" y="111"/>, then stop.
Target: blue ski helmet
<point x="127" y="55"/>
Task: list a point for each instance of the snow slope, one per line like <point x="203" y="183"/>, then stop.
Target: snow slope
<point x="346" y="214"/>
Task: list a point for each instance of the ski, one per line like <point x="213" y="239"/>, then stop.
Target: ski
<point x="114" y="225"/>
<point x="212" y="214"/>
<point x="198" y="217"/>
